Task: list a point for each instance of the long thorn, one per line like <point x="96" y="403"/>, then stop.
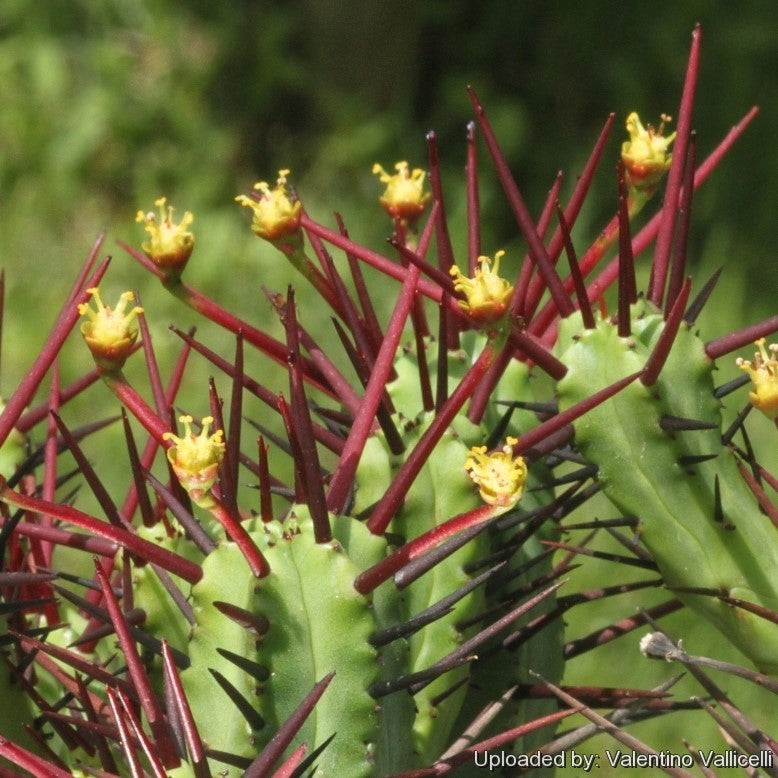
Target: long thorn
<point x="442" y="236"/>
<point x="536" y="248"/>
<point x="311" y="469"/>
<point x="562" y="419"/>
<point x="285" y="733"/>
<point x="669" y="211"/>
<point x="147" y="697"/>
<point x="727" y="343"/>
<point x="343" y="475"/>
<point x="145" y="549"/>
<point x="696" y="305"/>
<point x="573" y="208"/>
<point x="575" y="273"/>
<point x="678" y="266"/>
<point x="473" y="204"/>
<point x="627" y="284"/>
<point x="387" y="567"/>
<point x="409" y="470"/>
<point x="658" y="357"/>
<point x="194" y="742"/>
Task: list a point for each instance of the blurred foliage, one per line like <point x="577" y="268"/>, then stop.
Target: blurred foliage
<point x="106" y="106"/>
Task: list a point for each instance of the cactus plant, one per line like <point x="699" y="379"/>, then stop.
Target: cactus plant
<point x="395" y="607"/>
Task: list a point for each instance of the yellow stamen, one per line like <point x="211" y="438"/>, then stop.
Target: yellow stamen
<point x="109" y="333"/>
<point x="764" y="375"/>
<point x="404" y="197"/>
<point x="487" y="295"/>
<point x="499" y="475"/>
<point x="276" y="212"/>
<point x="171" y="244"/>
<point x="646" y="154"/>
<point x="195" y="458"/>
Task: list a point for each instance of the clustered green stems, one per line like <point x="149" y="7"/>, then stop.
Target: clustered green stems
<point x="482" y="300"/>
<point x="516" y="320"/>
<point x="485" y="301"/>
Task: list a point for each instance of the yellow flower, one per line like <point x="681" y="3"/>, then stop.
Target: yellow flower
<point x="764" y="374"/>
<point x="404" y="197"/>
<point x="171" y="244"/>
<point x="487" y="295"/>
<point x="109" y="333"/>
<point x="646" y="154"/>
<point x="276" y="212"/>
<point x="195" y="459"/>
<point x="498" y="475"/>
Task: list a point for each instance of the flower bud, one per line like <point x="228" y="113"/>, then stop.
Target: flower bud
<point x="764" y="375"/>
<point x="171" y="244"/>
<point x="277" y="213"/>
<point x="109" y="333"/>
<point x="195" y="459"/>
<point x="646" y="154"/>
<point x="499" y="475"/>
<point x="404" y="197"/>
<point x="487" y="295"/>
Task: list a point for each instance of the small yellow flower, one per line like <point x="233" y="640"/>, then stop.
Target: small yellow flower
<point x="764" y="374"/>
<point x="195" y="459"/>
<point x="404" y="197"/>
<point x="171" y="244"/>
<point x="498" y="475"/>
<point x="276" y="212"/>
<point x="646" y="154"/>
<point x="109" y="333"/>
<point x="487" y="294"/>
